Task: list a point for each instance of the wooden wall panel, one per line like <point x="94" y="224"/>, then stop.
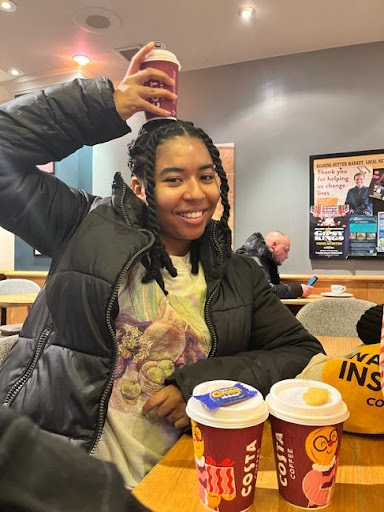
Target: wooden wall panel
<point x="367" y="287"/>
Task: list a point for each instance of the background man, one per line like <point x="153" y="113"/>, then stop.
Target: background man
<point x="270" y="253"/>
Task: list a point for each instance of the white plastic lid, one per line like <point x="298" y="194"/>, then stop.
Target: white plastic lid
<point x="285" y="401"/>
<point x="160" y="54"/>
<point x="239" y="415"/>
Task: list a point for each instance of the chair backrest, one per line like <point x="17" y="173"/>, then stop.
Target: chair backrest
<point x="11" y="286"/>
<point x="6" y="345"/>
<point x="333" y="317"/>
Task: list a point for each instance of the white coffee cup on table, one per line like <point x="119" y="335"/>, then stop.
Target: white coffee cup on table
<point x="337" y="289"/>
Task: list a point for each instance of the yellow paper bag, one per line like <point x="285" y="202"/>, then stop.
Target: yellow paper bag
<point x="357" y="377"/>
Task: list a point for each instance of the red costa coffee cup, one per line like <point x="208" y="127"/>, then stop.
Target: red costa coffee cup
<point x="227" y="444"/>
<point x="306" y="439"/>
<point x="165" y="61"/>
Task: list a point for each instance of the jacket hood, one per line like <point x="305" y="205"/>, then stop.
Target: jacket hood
<point x="124" y="199"/>
<point x="255" y="246"/>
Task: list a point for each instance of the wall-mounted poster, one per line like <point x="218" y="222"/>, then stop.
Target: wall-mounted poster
<point x="376" y="187"/>
<point x="380" y="232"/>
<point x="346" y="190"/>
<point x="329" y="231"/>
<point x="363" y="230"/>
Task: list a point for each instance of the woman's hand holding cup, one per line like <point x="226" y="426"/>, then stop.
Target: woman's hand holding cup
<point x="132" y="95"/>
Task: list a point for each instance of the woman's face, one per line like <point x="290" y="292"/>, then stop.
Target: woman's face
<point x="186" y="192"/>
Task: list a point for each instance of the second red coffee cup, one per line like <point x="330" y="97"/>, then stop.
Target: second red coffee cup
<point x="165" y="61"/>
<point x="306" y="439"/>
<point x="227" y="444"/>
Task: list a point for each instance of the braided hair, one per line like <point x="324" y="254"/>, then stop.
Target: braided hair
<point x="141" y="161"/>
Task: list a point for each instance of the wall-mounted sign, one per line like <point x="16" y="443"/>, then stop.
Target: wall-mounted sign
<point x="346" y="194"/>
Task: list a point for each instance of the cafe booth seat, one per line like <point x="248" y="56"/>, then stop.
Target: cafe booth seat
<point x="333" y="317"/>
<point x="14" y="287"/>
<point x="37" y="276"/>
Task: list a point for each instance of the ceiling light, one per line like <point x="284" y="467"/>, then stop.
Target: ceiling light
<point x="7" y="6"/>
<point x="14" y="72"/>
<point x="82" y="60"/>
<point x="246" y="13"/>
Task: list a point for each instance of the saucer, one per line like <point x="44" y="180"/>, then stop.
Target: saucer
<point x="341" y="295"/>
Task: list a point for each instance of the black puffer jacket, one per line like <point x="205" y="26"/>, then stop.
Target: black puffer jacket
<point x="256" y="248"/>
<point x="61" y="371"/>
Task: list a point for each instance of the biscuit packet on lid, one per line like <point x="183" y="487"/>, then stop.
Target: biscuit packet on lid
<point x="226" y="396"/>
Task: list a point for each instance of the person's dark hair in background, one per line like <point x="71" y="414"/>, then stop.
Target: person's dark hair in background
<point x="369" y="326"/>
<point x="271" y="252"/>
<point x="142" y="156"/>
<point x="41" y="473"/>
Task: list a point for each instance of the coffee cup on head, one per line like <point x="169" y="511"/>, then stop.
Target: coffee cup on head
<point x="165" y="61"/>
<point x="307" y="424"/>
<point x="337" y="289"/>
<point x="227" y="444"/>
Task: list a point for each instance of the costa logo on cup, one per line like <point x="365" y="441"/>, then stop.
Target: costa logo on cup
<point x="251" y="465"/>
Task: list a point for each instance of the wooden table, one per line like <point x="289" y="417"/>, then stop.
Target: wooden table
<point x="14" y="301"/>
<point x="295" y="304"/>
<point x="301" y="301"/>
<point x="338" y="346"/>
<point x="366" y="287"/>
<point x="172" y="484"/>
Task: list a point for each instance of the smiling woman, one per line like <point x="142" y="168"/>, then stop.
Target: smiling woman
<point x="174" y="168"/>
<point x="144" y="299"/>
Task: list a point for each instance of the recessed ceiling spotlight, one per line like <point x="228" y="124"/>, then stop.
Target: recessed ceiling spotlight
<point x="246" y="13"/>
<point x="15" y="72"/>
<point x="7" y="6"/>
<point x="81" y="60"/>
<point x="97" y="20"/>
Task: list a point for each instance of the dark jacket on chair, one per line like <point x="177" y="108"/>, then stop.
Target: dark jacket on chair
<point x="42" y="474"/>
<point x="61" y="371"/>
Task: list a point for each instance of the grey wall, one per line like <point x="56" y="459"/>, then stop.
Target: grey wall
<point x="111" y="157"/>
<point x="278" y="112"/>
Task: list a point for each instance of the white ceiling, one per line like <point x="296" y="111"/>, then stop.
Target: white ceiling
<point x="41" y="36"/>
